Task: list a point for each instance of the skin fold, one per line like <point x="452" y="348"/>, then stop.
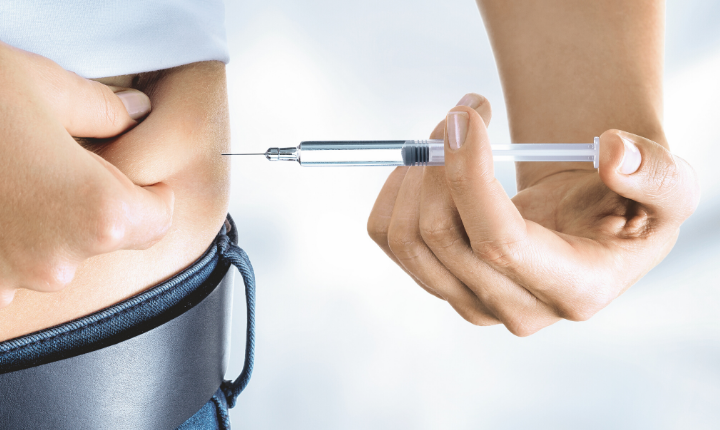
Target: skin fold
<point x="177" y="144"/>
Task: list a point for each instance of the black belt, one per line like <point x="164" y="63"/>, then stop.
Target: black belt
<point x="154" y="381"/>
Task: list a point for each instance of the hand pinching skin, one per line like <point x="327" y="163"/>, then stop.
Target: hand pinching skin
<point x="62" y="204"/>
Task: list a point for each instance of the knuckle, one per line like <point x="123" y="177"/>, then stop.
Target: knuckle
<point x="456" y="180"/>
<point x="403" y="242"/>
<point x="479" y="319"/>
<point x="473" y="313"/>
<point x="577" y="313"/>
<point x="438" y="232"/>
<point x="476" y="317"/>
<point x="691" y="193"/>
<point x="54" y="275"/>
<point x="520" y="330"/>
<point x="107" y="111"/>
<point x="582" y="309"/>
<point x="521" y="326"/>
<point x="528" y="320"/>
<point x="498" y="253"/>
<point x="108" y="226"/>
<point x="377" y="229"/>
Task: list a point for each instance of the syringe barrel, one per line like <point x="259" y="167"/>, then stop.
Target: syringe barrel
<point x="432" y="152"/>
<point x="352" y="153"/>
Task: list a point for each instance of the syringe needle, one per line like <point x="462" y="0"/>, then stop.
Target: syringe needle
<point x="246" y="153"/>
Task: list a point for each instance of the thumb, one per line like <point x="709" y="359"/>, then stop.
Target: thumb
<point x="90" y="109"/>
<point x="145" y="213"/>
<point x="488" y="215"/>
<point x="85" y="108"/>
<point x="644" y="171"/>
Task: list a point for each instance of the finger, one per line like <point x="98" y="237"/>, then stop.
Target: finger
<point x="465" y="306"/>
<point x="493" y="224"/>
<point x="485" y="316"/>
<point x="407" y="244"/>
<point x="644" y="171"/>
<point x="379" y="220"/>
<point x="139" y="216"/>
<point x="480" y="104"/>
<point x="442" y="230"/>
<point x="6" y="296"/>
<point x="85" y="108"/>
<point x="381" y="214"/>
<point x="474" y="101"/>
<point x="532" y="256"/>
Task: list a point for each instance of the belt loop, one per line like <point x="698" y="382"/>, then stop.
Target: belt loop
<point x="235" y="255"/>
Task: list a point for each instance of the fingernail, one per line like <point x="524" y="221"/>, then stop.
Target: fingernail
<point x="6" y="297"/>
<point x="457" y="127"/>
<point x="470" y="100"/>
<point x="631" y="158"/>
<point x="136" y="103"/>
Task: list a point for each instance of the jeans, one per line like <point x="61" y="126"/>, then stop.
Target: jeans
<point x="212" y="416"/>
<point x="145" y="312"/>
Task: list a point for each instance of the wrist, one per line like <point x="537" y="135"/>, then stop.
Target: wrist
<point x="528" y="174"/>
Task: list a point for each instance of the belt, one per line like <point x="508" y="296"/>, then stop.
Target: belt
<point x="154" y="381"/>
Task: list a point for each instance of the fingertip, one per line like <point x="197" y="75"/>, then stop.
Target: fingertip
<point x="631" y="159"/>
<point x="479" y="104"/>
<point x="464" y="125"/>
<point x="471" y="100"/>
<point x="468" y="155"/>
<point x="159" y="215"/>
<point x="6" y="297"/>
<point x="694" y="191"/>
<point x="136" y="102"/>
<point x="456" y="130"/>
<point x="103" y="111"/>
<point x="472" y="113"/>
<point x="648" y="173"/>
<point x="612" y="150"/>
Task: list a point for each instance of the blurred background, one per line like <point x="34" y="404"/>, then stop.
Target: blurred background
<point x="345" y="340"/>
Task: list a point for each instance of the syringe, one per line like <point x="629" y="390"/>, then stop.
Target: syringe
<point x="421" y="153"/>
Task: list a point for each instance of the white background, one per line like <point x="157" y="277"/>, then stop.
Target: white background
<point x="345" y="340"/>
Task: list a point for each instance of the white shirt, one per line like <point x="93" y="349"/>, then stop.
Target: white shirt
<point x="96" y="38"/>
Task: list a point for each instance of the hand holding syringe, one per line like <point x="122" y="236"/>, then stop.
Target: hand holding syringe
<point x="567" y="244"/>
<point x="421" y="153"/>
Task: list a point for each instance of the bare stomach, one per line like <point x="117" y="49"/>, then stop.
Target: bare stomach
<point x="179" y="144"/>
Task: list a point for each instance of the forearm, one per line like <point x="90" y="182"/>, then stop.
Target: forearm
<point x="571" y="69"/>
